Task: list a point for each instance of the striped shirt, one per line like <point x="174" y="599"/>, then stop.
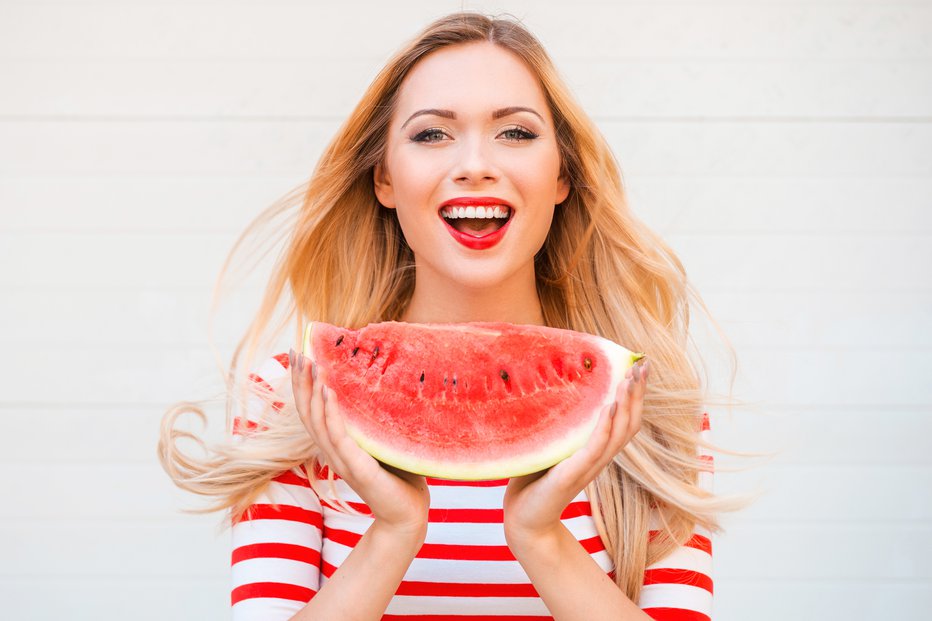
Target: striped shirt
<point x="294" y="541"/>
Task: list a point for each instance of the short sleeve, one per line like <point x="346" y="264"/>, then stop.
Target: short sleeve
<point x="273" y="378"/>
<point x="276" y="543"/>
<point x="679" y="587"/>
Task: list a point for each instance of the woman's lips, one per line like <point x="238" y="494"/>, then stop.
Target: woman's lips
<point x="475" y="242"/>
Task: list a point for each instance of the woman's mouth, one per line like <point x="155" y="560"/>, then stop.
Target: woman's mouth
<point x="477" y="227"/>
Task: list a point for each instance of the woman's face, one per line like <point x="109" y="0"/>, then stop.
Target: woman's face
<point x="457" y="133"/>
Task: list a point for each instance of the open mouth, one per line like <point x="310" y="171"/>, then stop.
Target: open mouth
<point x="476" y="221"/>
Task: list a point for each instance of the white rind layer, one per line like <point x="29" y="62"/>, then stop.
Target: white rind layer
<point x="544" y="457"/>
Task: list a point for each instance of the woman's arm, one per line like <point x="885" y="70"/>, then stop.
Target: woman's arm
<point x="573" y="586"/>
<point x="570" y="582"/>
<point x="363" y="586"/>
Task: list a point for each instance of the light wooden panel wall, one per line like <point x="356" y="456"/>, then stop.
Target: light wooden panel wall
<point x="783" y="149"/>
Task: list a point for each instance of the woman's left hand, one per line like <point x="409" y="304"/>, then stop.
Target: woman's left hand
<point x="534" y="502"/>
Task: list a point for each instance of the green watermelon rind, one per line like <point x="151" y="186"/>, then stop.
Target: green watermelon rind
<point x="544" y="457"/>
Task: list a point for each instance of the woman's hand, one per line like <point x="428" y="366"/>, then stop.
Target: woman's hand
<point x="398" y="500"/>
<point x="533" y="503"/>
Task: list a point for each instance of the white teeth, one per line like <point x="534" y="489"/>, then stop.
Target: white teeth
<point x="500" y="211"/>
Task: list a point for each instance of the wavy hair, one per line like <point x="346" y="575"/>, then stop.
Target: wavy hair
<point x="601" y="270"/>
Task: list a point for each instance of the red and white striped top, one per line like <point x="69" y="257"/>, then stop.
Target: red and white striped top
<point x="293" y="542"/>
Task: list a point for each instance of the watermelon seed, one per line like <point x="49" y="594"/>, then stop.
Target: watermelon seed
<point x="504" y="374"/>
<point x="422" y="377"/>
<point x="356" y="349"/>
<point x="340" y="340"/>
<point x="376" y="352"/>
<point x="587" y="363"/>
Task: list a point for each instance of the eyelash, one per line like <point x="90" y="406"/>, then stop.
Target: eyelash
<point x="421" y="136"/>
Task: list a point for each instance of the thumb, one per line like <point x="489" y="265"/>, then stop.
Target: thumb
<point x="516" y="484"/>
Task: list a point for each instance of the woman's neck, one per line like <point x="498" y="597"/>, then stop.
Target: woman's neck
<point x="440" y="301"/>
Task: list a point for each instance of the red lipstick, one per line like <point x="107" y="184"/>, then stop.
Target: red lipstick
<point x="476" y="201"/>
<point x="478" y="243"/>
<point x="475" y="242"/>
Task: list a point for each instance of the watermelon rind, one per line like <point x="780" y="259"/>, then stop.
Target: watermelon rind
<point x="544" y="456"/>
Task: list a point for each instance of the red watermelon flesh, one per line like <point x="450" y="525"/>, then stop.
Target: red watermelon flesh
<point x="468" y="401"/>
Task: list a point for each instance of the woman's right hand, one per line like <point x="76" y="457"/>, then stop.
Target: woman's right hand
<point x="398" y="500"/>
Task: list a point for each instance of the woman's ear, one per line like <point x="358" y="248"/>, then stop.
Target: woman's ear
<point x="383" y="186"/>
<point x="563" y="190"/>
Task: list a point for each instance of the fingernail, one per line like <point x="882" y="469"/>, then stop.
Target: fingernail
<point x="631" y="386"/>
<point x="611" y="412"/>
<point x="323" y="393"/>
<point x="646" y="369"/>
<point x="291" y="357"/>
<point x="314" y="370"/>
<point x="636" y="375"/>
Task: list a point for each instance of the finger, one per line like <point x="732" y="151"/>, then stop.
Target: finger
<point x="414" y="479"/>
<point x="605" y="449"/>
<point x="577" y="467"/>
<point x="335" y="425"/>
<point x="300" y="385"/>
<point x="520" y="482"/>
<point x="628" y="415"/>
<point x="356" y="460"/>
<point x="598" y="438"/>
<point x="320" y="429"/>
<point x="620" y="415"/>
<point x="303" y="385"/>
<point x="637" y="403"/>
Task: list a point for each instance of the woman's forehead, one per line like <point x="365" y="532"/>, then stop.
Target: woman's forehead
<point x="468" y="79"/>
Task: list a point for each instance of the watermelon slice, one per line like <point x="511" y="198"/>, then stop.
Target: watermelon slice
<point x="468" y="401"/>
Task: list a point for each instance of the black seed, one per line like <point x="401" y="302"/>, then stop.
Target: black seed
<point x="355" y="349"/>
<point x="444" y="381"/>
<point x="454" y="381"/>
<point x="422" y="377"/>
<point x="376" y="352"/>
<point x="587" y="363"/>
<point x="340" y="340"/>
<point x="504" y="374"/>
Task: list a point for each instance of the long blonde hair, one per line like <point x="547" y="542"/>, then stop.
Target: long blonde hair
<point x="601" y="270"/>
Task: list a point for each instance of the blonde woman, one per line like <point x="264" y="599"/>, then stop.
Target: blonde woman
<point x="470" y="114"/>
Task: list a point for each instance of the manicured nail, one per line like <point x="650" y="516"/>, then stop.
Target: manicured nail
<point x="314" y="370"/>
<point x="291" y="357"/>
<point x="646" y="369"/>
<point x="631" y="386"/>
<point x="611" y="412"/>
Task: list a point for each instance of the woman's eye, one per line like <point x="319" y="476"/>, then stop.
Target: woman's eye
<point x="513" y="134"/>
<point x="425" y="135"/>
<point x="519" y="134"/>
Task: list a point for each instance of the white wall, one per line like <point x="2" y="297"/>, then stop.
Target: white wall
<point x="783" y="148"/>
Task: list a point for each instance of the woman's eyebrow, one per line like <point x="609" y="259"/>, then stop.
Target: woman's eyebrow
<point x="496" y="114"/>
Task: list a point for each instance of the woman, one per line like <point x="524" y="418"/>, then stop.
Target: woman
<point x="470" y="109"/>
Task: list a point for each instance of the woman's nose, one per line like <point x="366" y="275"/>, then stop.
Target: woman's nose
<point x="474" y="161"/>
